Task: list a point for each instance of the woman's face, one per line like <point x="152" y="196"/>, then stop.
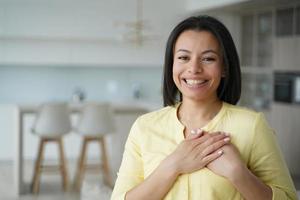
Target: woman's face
<point x="197" y="65"/>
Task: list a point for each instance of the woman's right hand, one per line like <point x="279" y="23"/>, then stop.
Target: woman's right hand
<point x="196" y="151"/>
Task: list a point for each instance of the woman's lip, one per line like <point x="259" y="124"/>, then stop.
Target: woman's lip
<point x="195" y="84"/>
<point x="195" y="81"/>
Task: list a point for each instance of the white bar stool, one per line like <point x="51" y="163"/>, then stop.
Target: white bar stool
<point x="51" y="124"/>
<point x="95" y="122"/>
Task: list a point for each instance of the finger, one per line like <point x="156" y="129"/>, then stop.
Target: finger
<point x="213" y="137"/>
<point x="211" y="157"/>
<point x="205" y="141"/>
<point x="215" y="146"/>
<point x="223" y="132"/>
<point x="195" y="134"/>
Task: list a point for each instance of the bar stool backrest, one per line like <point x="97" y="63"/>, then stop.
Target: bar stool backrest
<point x="96" y="119"/>
<point x="53" y="120"/>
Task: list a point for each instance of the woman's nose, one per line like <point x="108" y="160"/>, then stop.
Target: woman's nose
<point x="195" y="67"/>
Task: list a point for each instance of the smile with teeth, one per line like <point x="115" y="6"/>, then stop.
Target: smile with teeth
<point x="193" y="82"/>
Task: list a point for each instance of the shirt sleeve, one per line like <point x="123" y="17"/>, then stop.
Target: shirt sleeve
<point x="267" y="163"/>
<point x="131" y="170"/>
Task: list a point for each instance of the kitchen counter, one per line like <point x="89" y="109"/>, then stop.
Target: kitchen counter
<point x="118" y="107"/>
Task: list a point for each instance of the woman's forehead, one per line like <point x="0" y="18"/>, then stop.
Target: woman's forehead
<point x="200" y="41"/>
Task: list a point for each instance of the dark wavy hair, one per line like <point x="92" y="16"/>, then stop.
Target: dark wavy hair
<point x="229" y="89"/>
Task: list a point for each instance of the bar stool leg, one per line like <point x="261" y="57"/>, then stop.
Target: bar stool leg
<point x="37" y="170"/>
<point x="63" y="167"/>
<point x="105" y="165"/>
<point x="81" y="165"/>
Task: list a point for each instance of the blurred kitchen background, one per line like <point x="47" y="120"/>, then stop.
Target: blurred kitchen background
<point x="112" y="51"/>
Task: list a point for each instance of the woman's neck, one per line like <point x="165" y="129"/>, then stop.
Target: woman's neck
<point x="196" y="114"/>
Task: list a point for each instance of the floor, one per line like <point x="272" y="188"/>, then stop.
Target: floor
<point x="50" y="188"/>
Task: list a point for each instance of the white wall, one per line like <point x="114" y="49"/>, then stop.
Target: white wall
<point x="208" y="4"/>
<point x="78" y="32"/>
<point x="7" y="130"/>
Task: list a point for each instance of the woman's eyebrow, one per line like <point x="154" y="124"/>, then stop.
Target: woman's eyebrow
<point x="210" y="51"/>
<point x="204" y="52"/>
<point x="184" y="50"/>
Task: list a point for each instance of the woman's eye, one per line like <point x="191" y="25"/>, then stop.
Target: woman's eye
<point x="183" y="58"/>
<point x="208" y="59"/>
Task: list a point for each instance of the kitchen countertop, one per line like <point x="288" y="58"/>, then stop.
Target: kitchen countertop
<point x="118" y="106"/>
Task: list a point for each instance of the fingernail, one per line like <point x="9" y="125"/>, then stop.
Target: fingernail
<point x="193" y="132"/>
<point x="220" y="152"/>
<point x="199" y="131"/>
<point x="227" y="139"/>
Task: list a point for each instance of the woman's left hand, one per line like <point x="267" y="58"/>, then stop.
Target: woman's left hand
<point x="229" y="164"/>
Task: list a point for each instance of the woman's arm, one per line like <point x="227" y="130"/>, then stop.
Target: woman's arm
<point x="230" y="166"/>
<point x="191" y="155"/>
<point x="249" y="185"/>
<point x="267" y="163"/>
<point x="265" y="176"/>
<point x="156" y="185"/>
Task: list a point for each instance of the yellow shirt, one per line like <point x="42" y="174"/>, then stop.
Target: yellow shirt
<point x="157" y="134"/>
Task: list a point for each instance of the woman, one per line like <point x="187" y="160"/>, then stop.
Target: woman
<point x="202" y="146"/>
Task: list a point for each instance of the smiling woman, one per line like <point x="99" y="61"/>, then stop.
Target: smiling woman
<point x="201" y="145"/>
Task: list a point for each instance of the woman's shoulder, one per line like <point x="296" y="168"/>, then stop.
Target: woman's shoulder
<point x="241" y="112"/>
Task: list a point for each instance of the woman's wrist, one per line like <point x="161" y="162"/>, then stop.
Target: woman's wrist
<point x="170" y="166"/>
<point x="238" y="174"/>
